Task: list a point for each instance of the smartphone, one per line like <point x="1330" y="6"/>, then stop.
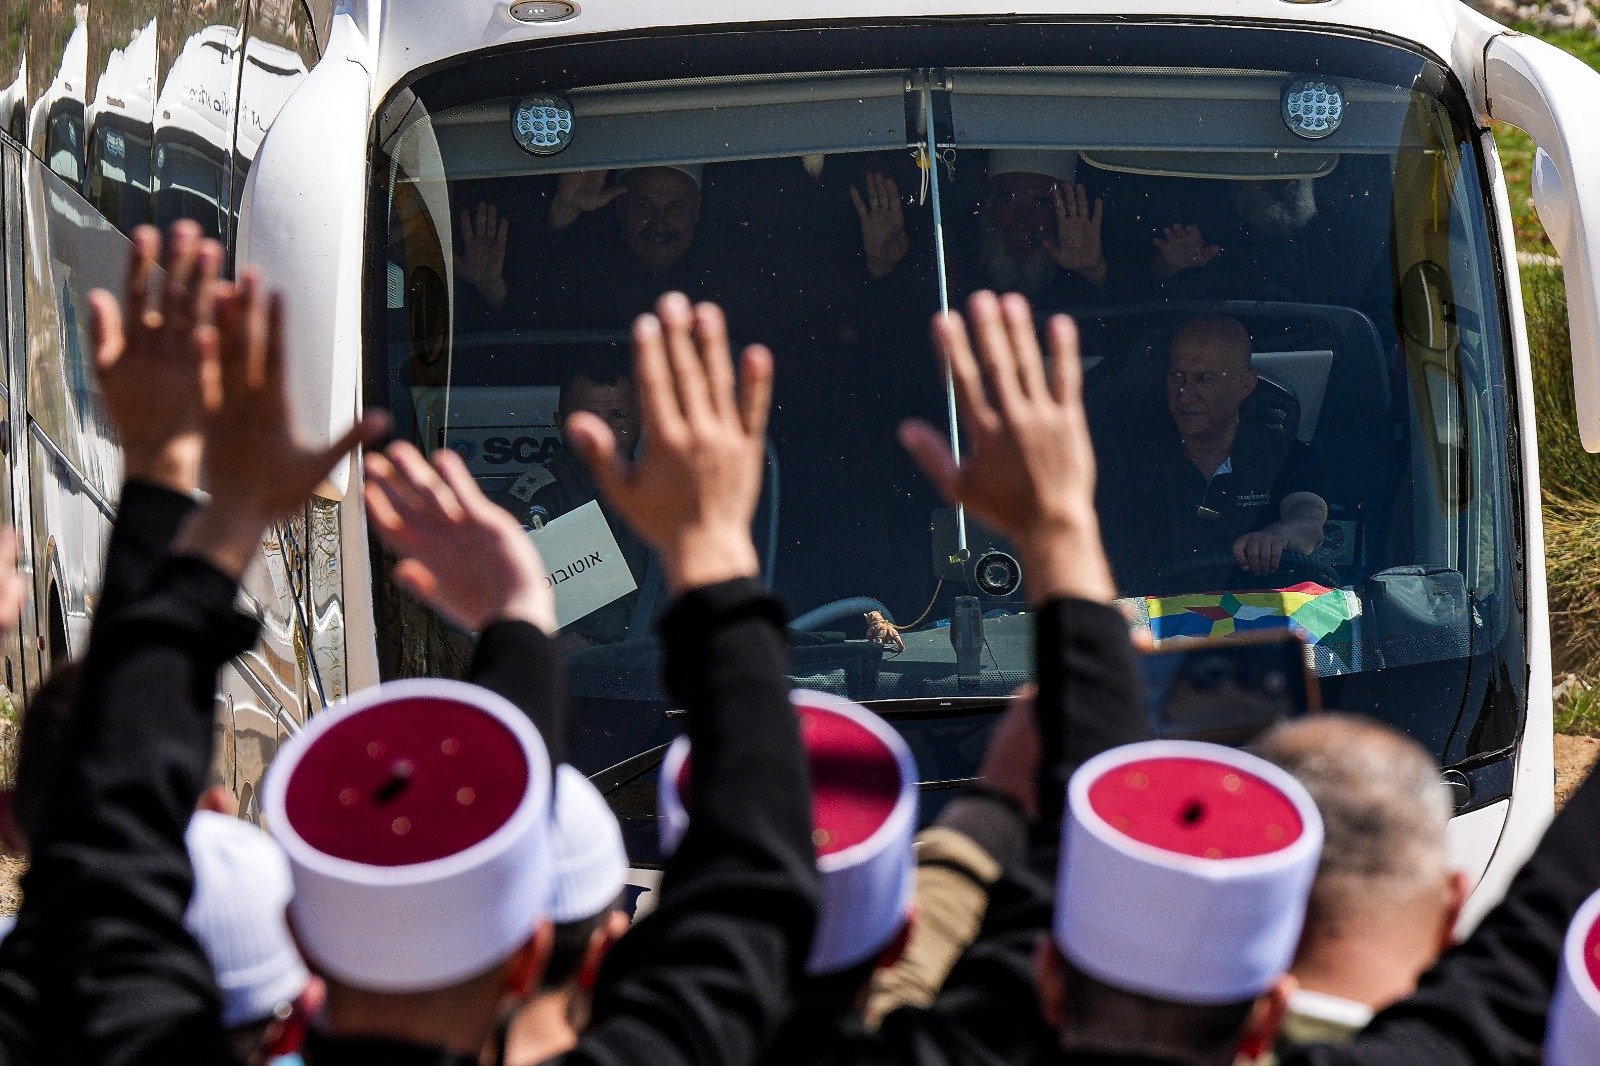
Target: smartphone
<point x="1228" y="690"/>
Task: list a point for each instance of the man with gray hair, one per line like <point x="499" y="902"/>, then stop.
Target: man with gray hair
<point x="1385" y="901"/>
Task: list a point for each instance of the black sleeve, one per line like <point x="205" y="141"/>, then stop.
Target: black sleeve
<point x="987" y="1013"/>
<point x="517" y="660"/>
<point x="1090" y="700"/>
<point x="123" y="981"/>
<point x="706" y="978"/>
<point x="1300" y="473"/>
<point x="1486" y="1001"/>
<point x="1071" y="293"/>
<point x="1091" y="697"/>
<point x="148" y="518"/>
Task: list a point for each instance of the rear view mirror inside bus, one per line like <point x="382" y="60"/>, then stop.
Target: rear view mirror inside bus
<point x="1228" y="690"/>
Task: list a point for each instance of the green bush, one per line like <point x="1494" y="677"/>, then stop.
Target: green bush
<point x="1577" y="708"/>
<point x="1569" y="480"/>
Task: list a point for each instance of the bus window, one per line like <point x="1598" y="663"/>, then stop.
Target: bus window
<point x="120" y="116"/>
<point x="1277" y="449"/>
<point x="193" y="171"/>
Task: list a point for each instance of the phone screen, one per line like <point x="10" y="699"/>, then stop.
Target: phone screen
<point x="1229" y="689"/>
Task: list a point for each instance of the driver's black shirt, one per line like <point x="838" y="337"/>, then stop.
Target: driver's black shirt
<point x="1161" y="515"/>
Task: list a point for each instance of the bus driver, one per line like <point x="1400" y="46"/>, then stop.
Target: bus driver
<point x="1209" y="484"/>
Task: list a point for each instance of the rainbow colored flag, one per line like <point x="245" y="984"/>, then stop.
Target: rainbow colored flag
<point x="1328" y="619"/>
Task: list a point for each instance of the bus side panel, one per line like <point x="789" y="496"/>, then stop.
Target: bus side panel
<point x="74" y="467"/>
<point x="297" y="667"/>
<point x="24" y="653"/>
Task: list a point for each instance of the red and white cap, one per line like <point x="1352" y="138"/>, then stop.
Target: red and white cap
<point x="864" y="814"/>
<point x="1185" y="870"/>
<point x="416" y="819"/>
<point x="1573" y="1034"/>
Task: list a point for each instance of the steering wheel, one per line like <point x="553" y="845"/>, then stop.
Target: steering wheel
<point x="1291" y="564"/>
<point x="838" y="611"/>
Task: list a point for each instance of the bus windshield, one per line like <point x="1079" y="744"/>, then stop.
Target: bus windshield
<point x="1281" y="263"/>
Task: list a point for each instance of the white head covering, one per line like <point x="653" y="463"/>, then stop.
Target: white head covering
<point x="695" y="171"/>
<point x="1060" y="164"/>
<point x="242" y="890"/>
<point x="864" y="805"/>
<point x="416" y="819"/>
<point x="1572" y="1037"/>
<point x="1185" y="870"/>
<point x="590" y="861"/>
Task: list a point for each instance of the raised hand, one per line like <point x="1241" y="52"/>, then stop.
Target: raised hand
<point x="883" y="224"/>
<point x="1181" y="247"/>
<point x="482" y="261"/>
<point x="255" y="469"/>
<point x="577" y="193"/>
<point x="693" y="492"/>
<point x="13" y="586"/>
<point x="1011" y="763"/>
<point x="1028" y="468"/>
<point x="461" y="555"/>
<point x="155" y="355"/>
<point x="1077" y="243"/>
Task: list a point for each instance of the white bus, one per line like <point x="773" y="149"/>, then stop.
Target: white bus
<point x="1321" y="173"/>
<point x="115" y="114"/>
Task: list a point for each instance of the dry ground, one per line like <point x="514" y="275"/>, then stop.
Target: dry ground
<point x="10" y="874"/>
<point x="1574" y="756"/>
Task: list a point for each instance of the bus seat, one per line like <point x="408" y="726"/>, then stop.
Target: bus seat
<point x="1305" y="375"/>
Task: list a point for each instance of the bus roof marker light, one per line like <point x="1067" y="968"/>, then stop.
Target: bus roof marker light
<point x="1312" y="108"/>
<point x="542" y="125"/>
<point x="543" y="10"/>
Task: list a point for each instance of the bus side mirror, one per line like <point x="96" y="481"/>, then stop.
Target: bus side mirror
<point x="1552" y="200"/>
<point x="300" y="223"/>
<point x="1550" y="96"/>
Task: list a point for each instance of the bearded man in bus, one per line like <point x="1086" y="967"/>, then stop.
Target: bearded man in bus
<point x="609" y="246"/>
<point x="1038" y="234"/>
<point x="1209" y="484"/>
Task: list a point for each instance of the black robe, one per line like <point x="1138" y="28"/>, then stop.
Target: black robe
<point x="103" y="970"/>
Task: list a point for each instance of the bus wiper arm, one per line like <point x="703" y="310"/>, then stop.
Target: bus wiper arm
<point x="929" y="149"/>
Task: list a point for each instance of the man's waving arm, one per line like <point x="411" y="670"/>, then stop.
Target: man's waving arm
<point x="706" y="978"/>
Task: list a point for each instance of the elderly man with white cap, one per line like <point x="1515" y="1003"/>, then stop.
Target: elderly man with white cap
<point x="1573" y="1036"/>
<point x="586" y="907"/>
<point x="864" y="813"/>
<point x="1185" y="870"/>
<point x="238" y="913"/>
